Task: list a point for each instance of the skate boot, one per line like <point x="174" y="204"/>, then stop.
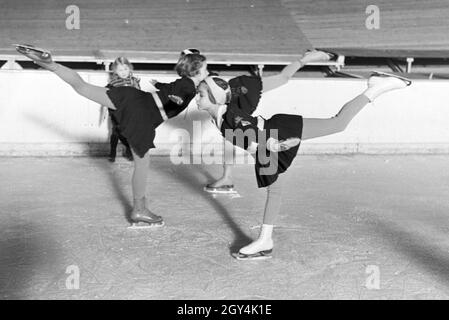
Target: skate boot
<point x="261" y="249"/>
<point x="381" y="82"/>
<point x="39" y="56"/>
<point x="141" y="217"/>
<point x="317" y="56"/>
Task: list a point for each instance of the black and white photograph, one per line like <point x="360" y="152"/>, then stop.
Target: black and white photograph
<point x="250" y="151"/>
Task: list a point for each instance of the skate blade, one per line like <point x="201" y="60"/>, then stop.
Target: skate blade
<point x="220" y="190"/>
<point x="263" y="255"/>
<point x="381" y="73"/>
<point x="41" y="51"/>
<point x="142" y="225"/>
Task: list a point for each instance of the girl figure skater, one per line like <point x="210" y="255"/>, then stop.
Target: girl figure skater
<point x="277" y="139"/>
<point x="122" y="76"/>
<point x="248" y="101"/>
<point x="137" y="112"/>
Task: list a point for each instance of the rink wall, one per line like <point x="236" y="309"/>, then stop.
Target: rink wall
<point x="41" y="115"/>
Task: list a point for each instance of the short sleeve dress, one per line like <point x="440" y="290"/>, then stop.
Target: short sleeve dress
<point x="242" y="129"/>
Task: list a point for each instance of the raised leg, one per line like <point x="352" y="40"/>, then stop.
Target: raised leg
<point x="44" y="59"/>
<point x="377" y="86"/>
<point x="87" y="90"/>
<point x="313" y="128"/>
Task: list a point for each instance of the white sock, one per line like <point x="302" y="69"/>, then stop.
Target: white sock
<point x="264" y="242"/>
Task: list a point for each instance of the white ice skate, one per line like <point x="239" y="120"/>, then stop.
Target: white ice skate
<point x="317" y="56"/>
<point x="261" y="249"/>
<point x="382" y="82"/>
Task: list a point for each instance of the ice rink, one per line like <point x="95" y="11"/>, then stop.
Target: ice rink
<point x="342" y="217"/>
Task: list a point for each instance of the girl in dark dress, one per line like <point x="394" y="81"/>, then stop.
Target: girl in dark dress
<point x="138" y="113"/>
<point x="276" y="140"/>
<point x="122" y="76"/>
<point x="249" y="100"/>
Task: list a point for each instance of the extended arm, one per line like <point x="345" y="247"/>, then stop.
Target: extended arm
<point x="273" y="82"/>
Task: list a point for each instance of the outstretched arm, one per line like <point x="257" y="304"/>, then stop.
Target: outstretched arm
<point x="273" y="82"/>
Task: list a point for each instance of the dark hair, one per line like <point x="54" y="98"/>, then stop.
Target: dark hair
<point x="189" y="65"/>
<point x="238" y="91"/>
<point x="222" y="84"/>
<point x="189" y="51"/>
<point x="123" y="61"/>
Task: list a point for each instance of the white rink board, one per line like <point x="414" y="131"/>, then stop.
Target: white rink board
<point x="41" y="115"/>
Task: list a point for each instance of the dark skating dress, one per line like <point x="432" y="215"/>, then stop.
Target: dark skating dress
<point x="242" y="129"/>
<point x="116" y="133"/>
<point x="139" y="113"/>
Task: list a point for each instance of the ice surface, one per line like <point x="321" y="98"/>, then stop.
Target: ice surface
<point x="340" y="214"/>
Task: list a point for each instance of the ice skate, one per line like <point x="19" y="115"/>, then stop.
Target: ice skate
<point x="386" y="74"/>
<point x="261" y="255"/>
<point x="225" y="189"/>
<point x="261" y="249"/>
<point x="381" y="82"/>
<point x="223" y="185"/>
<point x="142" y="218"/>
<point x="317" y="56"/>
<point x="40" y="56"/>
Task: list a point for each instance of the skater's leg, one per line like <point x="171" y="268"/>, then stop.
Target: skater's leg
<point x="113" y="145"/>
<point x="225" y="183"/>
<point x="273" y="82"/>
<point x="139" y="185"/>
<point x="91" y="92"/>
<point x="273" y="202"/>
<point x="377" y="85"/>
<point x="272" y="208"/>
<point x="87" y="90"/>
<point x="128" y="154"/>
<point x="313" y="128"/>
<point x="140" y="175"/>
<point x="123" y="140"/>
